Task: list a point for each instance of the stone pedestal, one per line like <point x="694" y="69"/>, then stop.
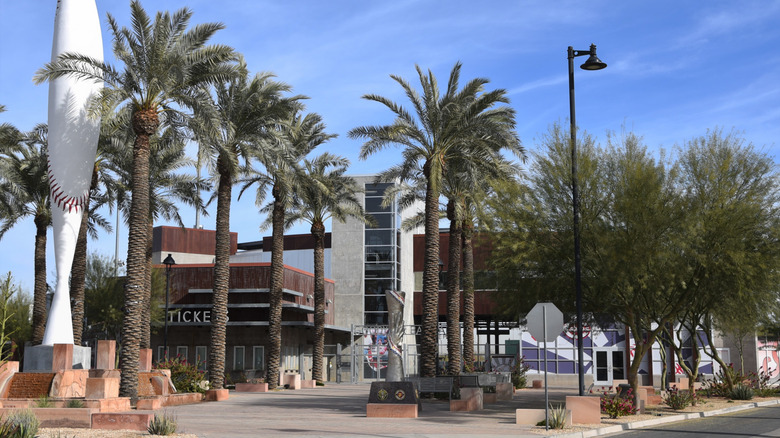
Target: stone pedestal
<point x="102" y="387"/>
<point x="392" y="400"/>
<point x="217" y="394"/>
<point x="584" y="409"/>
<point x="41" y="358"/>
<point x="145" y="359"/>
<point x="471" y="399"/>
<point x="106" y="355"/>
<point x="251" y="387"/>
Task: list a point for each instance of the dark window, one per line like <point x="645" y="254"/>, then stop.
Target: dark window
<point x="379" y="237"/>
<point x="379" y="254"/>
<point x="377" y="287"/>
<point x="374" y="205"/>
<point x="382" y="221"/>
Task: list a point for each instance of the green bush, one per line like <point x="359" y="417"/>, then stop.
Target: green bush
<point x="742" y="392"/>
<point x="186" y="377"/>
<point x="164" y="424"/>
<point x="556" y="417"/>
<point x="43" y="402"/>
<point x="75" y="404"/>
<point x="678" y="400"/>
<point x="20" y="424"/>
<point x="519" y="378"/>
<point x="616" y="406"/>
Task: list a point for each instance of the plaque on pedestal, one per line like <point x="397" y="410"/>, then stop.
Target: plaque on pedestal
<point x="393" y="400"/>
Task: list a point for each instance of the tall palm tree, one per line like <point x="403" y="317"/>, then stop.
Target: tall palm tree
<point x="228" y="130"/>
<point x="296" y="136"/>
<point x="325" y="193"/>
<point x="102" y="192"/>
<point x="24" y="192"/>
<point x="165" y="67"/>
<point x="169" y="188"/>
<point x="443" y="127"/>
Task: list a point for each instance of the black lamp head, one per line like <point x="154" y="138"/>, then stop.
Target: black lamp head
<point x="593" y="62"/>
<point x="169" y="261"/>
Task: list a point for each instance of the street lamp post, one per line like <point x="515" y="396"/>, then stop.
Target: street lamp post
<point x="593" y="63"/>
<point x="168" y="262"/>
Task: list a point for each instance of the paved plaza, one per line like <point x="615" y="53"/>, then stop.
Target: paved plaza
<point x="340" y="410"/>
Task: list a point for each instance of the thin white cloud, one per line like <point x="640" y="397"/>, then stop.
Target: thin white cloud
<point x="539" y="83"/>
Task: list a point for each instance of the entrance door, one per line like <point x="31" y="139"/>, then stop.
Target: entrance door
<point x="608" y="365"/>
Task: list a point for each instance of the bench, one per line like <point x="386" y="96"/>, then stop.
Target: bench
<point x="468" y="382"/>
<point x="432" y="385"/>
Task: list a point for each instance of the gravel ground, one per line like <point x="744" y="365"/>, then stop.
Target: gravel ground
<point x="99" y="433"/>
<point x="707" y="404"/>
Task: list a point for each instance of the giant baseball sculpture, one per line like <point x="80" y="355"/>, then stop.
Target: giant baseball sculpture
<point x="72" y="147"/>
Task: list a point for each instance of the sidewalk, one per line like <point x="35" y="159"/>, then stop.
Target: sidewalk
<point x="340" y="411"/>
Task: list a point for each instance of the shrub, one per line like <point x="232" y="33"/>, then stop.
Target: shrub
<point x="616" y="405"/>
<point x="742" y="392"/>
<point x="186" y="377"/>
<point x="43" y="402"/>
<point x="75" y="403"/>
<point x="20" y="424"/>
<point x="678" y="400"/>
<point x="164" y="424"/>
<point x="556" y="417"/>
<point x="519" y="378"/>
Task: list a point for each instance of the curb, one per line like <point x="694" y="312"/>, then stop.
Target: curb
<point x="670" y="419"/>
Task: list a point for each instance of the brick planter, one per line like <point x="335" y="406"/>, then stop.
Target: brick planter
<point x="251" y="387"/>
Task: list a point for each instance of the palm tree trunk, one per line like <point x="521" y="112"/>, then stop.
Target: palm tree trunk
<point x="39" y="296"/>
<point x="77" y="273"/>
<point x="277" y="282"/>
<point x="145" y="124"/>
<point x="147" y="303"/>
<point x="453" y="291"/>
<point x="430" y="312"/>
<point x="468" y="294"/>
<point x="219" y="310"/>
<point x="318" y="231"/>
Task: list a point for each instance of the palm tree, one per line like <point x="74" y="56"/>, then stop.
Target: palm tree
<point x="102" y="192"/>
<point x="296" y="136"/>
<point x="325" y="193"/>
<point x="24" y="192"/>
<point x="169" y="187"/>
<point x="227" y="131"/>
<point x="443" y="127"/>
<point x="165" y="67"/>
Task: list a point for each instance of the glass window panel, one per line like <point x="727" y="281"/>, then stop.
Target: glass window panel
<point x="379" y="318"/>
<point x="200" y="357"/>
<point x="379" y="270"/>
<point x="379" y="237"/>
<point x="258" y="355"/>
<point x="238" y="358"/>
<point x="374" y="205"/>
<point x="377" y="189"/>
<point x="382" y="221"/>
<point x="379" y="253"/>
<point x="181" y="351"/>
<point x="376" y="303"/>
<point x="377" y="287"/>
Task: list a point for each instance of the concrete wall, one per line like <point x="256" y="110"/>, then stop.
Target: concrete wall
<point x="348" y="271"/>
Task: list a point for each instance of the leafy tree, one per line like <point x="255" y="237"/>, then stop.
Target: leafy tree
<point x="24" y="192"/>
<point x="465" y="124"/>
<point x="325" y="193"/>
<point x="228" y="130"/>
<point x="165" y="68"/>
<point x="731" y="189"/>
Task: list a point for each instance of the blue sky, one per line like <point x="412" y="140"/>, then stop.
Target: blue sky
<point x="675" y="69"/>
